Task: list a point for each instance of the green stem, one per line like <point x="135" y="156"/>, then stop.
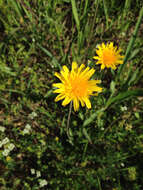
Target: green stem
<point x="68" y="121"/>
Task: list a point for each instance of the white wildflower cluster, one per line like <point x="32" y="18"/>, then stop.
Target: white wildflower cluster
<point x="43" y="182"/>
<point x="32" y="115"/>
<point x="2" y="129"/>
<point x="10" y="147"/>
<point x="27" y="129"/>
<point x="4" y="141"/>
<point x="38" y="173"/>
<point x="123" y="108"/>
<point x="32" y="171"/>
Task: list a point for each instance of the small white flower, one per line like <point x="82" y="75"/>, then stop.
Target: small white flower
<point x="5" y="152"/>
<point x="102" y="128"/>
<point x="32" y="171"/>
<point x="2" y="129"/>
<point x="5" y="140"/>
<point x="11" y="146"/>
<point x="28" y="127"/>
<point x="32" y="115"/>
<point x="123" y="108"/>
<point x="38" y="173"/>
<point x="122" y="164"/>
<point x="25" y="131"/>
<point x="43" y="182"/>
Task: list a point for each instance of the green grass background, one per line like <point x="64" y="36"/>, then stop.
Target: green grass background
<point x="105" y="148"/>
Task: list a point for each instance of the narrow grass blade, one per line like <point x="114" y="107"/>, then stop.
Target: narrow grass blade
<point x="15" y="91"/>
<point x="132" y="77"/>
<point x="75" y="14"/>
<point x="126" y="8"/>
<point x="17" y="7"/>
<point x="85" y="8"/>
<point x="131" y="42"/>
<point x="106" y="12"/>
<point x="26" y="8"/>
<point x="50" y="55"/>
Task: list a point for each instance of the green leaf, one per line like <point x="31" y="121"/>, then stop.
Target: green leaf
<point x="134" y="76"/>
<point x="92" y="117"/>
<point x="112" y="87"/>
<point x="48" y="94"/>
<point x="87" y="135"/>
<point x="124" y="95"/>
<point x="134" y="53"/>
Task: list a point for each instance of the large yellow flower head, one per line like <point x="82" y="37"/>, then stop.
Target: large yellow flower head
<point x="75" y="85"/>
<point x="108" y="56"/>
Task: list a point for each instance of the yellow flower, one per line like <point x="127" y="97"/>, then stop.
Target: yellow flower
<point x="8" y="158"/>
<point x="108" y="56"/>
<point x="75" y="85"/>
<point x="57" y="138"/>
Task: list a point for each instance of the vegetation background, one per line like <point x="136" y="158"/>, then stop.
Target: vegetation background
<point x="105" y="148"/>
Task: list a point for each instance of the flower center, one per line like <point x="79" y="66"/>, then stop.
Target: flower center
<point x="78" y="87"/>
<point x="108" y="57"/>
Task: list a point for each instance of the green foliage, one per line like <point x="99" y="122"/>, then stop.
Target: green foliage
<point x="105" y="148"/>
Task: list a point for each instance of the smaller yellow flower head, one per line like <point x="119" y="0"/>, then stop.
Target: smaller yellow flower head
<point x="75" y="85"/>
<point x="108" y="56"/>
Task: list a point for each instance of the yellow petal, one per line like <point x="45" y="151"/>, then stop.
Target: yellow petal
<point x="96" y="89"/>
<point x="111" y="45"/>
<point x="65" y="72"/>
<point x="89" y="74"/>
<point x="96" y="57"/>
<point x="80" y="68"/>
<point x="98" y="62"/>
<point x="103" y="46"/>
<point x="58" y="90"/>
<point x="74" y="66"/>
<point x="66" y="101"/>
<point x="59" y="97"/>
<point x="82" y="102"/>
<point x="85" y="71"/>
<point x="58" y="85"/>
<point x="87" y="102"/>
<point x="75" y="104"/>
<point x="102" y="66"/>
<point x="59" y="76"/>
<point x="94" y="82"/>
<point x="65" y="69"/>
